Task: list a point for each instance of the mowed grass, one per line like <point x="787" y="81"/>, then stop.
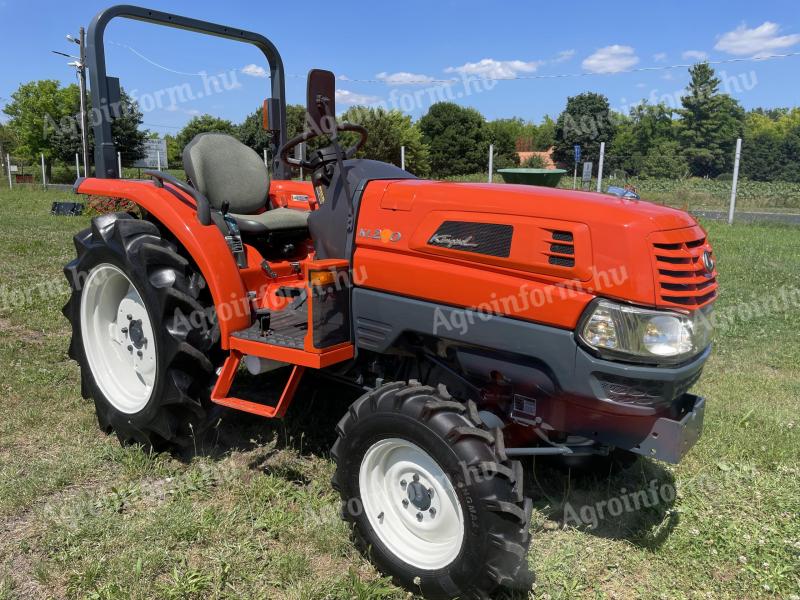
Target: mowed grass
<point x="248" y="512"/>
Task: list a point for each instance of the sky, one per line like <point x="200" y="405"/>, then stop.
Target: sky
<point x="507" y="59"/>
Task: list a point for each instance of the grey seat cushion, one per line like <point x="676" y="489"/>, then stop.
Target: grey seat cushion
<point x="223" y="169"/>
<point x="277" y="219"/>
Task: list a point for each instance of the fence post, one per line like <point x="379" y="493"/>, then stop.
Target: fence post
<point x="158" y="159"/>
<point x="735" y="179"/>
<point x="8" y="166"/>
<point x="600" y="167"/>
<point x="44" y="175"/>
<point x="491" y="161"/>
<point x="403" y="157"/>
<point x="78" y="166"/>
<point x="266" y="164"/>
<point x="119" y="165"/>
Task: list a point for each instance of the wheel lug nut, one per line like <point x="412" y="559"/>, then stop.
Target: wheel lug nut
<point x="405" y="503"/>
<point x="130" y="317"/>
<point x="419" y="516"/>
<point x="416" y="477"/>
<point x="403" y="483"/>
<point x="130" y="348"/>
<point x="139" y="354"/>
<point x="432" y="512"/>
<point x="430" y="492"/>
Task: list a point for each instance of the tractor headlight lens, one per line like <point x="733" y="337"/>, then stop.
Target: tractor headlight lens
<point x="624" y="331"/>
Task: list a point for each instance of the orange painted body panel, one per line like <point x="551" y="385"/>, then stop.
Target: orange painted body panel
<point x="219" y="395"/>
<point x="205" y="244"/>
<point x="611" y="239"/>
<point x="290" y="194"/>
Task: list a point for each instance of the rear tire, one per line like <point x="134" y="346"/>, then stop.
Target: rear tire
<point x="142" y="332"/>
<point x="405" y="448"/>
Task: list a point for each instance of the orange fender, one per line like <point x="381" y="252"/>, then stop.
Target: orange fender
<point x="205" y="244"/>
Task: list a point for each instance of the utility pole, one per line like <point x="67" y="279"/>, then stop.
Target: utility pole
<point x="80" y="68"/>
<point x="82" y="83"/>
<point x="491" y="161"/>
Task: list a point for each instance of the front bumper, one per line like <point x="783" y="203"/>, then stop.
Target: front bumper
<point x="670" y="439"/>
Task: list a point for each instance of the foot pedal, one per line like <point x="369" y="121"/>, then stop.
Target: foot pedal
<point x="264" y="318"/>
<point x="289" y="292"/>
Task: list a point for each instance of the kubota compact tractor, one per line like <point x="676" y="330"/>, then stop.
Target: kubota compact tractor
<point x="481" y="322"/>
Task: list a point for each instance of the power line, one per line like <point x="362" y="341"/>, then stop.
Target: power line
<point x="722" y="61"/>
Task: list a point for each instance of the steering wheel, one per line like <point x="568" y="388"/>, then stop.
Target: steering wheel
<point x="350" y="152"/>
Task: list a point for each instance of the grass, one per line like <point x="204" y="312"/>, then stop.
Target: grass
<point x="250" y="513"/>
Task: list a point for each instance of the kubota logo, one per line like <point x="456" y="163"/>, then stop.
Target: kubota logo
<point x="384" y="235"/>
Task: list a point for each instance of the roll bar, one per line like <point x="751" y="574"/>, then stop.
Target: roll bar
<point x="105" y="90"/>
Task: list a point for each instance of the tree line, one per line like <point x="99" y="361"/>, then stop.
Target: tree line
<point x="651" y="140"/>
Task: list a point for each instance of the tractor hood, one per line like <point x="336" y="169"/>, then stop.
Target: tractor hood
<point x="593" y="244"/>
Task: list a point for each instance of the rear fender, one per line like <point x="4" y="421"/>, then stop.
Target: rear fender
<point x="204" y="243"/>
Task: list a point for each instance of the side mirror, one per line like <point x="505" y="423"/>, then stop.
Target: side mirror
<point x="321" y="100"/>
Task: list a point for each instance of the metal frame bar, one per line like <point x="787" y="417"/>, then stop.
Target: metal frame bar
<point x="105" y="151"/>
<point x="220" y="393"/>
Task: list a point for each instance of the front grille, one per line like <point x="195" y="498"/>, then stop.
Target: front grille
<point x="681" y="275"/>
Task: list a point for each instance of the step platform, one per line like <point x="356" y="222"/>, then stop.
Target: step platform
<point x="314" y="332"/>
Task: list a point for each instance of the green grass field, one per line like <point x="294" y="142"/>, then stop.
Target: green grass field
<point x="248" y="512"/>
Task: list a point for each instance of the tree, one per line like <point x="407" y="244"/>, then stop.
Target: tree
<point x="8" y="141"/>
<point x="504" y="133"/>
<point x="196" y="126"/>
<point x="545" y="135"/>
<point x="388" y="131"/>
<point x="710" y="123"/>
<point x="456" y="138"/>
<point x="587" y="120"/>
<point x="36" y="110"/>
<point x="665" y="160"/>
<point x="648" y="126"/>
<point x="252" y="133"/>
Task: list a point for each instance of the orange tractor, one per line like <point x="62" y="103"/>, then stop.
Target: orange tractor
<point x="481" y="323"/>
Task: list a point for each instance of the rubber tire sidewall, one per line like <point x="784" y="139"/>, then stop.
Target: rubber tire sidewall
<point x="469" y="564"/>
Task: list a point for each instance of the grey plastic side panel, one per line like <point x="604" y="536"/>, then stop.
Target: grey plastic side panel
<point x="380" y="318"/>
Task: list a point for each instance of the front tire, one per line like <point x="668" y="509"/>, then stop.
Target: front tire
<point x="142" y="332"/>
<point x="431" y="493"/>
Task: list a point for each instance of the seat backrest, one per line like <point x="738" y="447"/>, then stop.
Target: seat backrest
<point x="223" y="169"/>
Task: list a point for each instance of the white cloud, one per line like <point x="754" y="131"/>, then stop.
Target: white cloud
<point x="660" y="56"/>
<point x="348" y="97"/>
<point x="254" y="71"/>
<point x="759" y="41"/>
<point x="564" y="56"/>
<point x="694" y="55"/>
<point x="641" y="85"/>
<point x="611" y="59"/>
<point x="490" y="68"/>
<point x="403" y="78"/>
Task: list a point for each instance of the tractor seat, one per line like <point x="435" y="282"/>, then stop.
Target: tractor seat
<point x="224" y="170"/>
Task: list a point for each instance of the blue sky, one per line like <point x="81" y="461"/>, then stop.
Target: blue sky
<point x="424" y="42"/>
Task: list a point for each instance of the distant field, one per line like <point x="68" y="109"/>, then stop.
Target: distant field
<point x="695" y="193"/>
<point x="249" y="513"/>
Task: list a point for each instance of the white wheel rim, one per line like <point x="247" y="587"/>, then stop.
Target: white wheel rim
<point x="396" y="479"/>
<point x="118" y="338"/>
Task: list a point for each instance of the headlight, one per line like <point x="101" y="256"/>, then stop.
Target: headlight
<point x="625" y="331"/>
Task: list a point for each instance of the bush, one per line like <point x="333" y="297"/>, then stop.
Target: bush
<point x="536" y="161"/>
